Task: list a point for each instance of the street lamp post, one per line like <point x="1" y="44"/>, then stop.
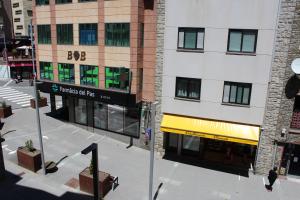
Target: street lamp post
<point x="37" y="102"/>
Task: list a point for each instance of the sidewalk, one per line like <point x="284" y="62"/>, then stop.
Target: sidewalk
<point x="179" y="181"/>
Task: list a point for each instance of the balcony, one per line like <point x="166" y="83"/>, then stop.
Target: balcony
<point x="295" y="123"/>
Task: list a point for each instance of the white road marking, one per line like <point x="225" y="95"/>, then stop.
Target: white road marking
<point x="6" y="84"/>
<point x="90" y="136"/>
<point x="75" y="131"/>
<point x="5" y="88"/>
<point x="13" y="95"/>
<point x="15" y="99"/>
<point x="25" y="105"/>
<point x="4" y="146"/>
<point x="239" y="177"/>
<point x="23" y="102"/>
<point x="264" y="180"/>
<point x="8" y="92"/>
<point x="12" y="152"/>
<point x="45" y="137"/>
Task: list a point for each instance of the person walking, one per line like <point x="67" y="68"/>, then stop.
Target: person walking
<point x="272" y="178"/>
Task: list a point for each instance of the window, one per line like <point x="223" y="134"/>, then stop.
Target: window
<point x="17" y="20"/>
<point x="116" y="78"/>
<point x="188" y="88"/>
<point x="80" y="111"/>
<point x="41" y="2"/>
<point x="88" y="34"/>
<point x="18" y="33"/>
<point x="44" y="34"/>
<point x="63" y="1"/>
<point x="15" y="5"/>
<point x="19" y="27"/>
<point x="148" y="4"/>
<point x="46" y="70"/>
<point x="243" y="41"/>
<point x="29" y="13"/>
<point x="18" y="12"/>
<point x="86" y="0"/>
<point x="64" y="33"/>
<point x="117" y="34"/>
<point x="66" y="73"/>
<point x="191" y="38"/>
<point x="89" y="75"/>
<point x="237" y="93"/>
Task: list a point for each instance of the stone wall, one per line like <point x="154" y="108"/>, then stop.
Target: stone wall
<point x="159" y="70"/>
<point x="279" y="109"/>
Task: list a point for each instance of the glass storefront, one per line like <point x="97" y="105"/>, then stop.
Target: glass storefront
<point x="100" y="115"/>
<point x="116" y="118"/>
<point x="132" y="122"/>
<point x="190" y="143"/>
<point x="80" y="111"/>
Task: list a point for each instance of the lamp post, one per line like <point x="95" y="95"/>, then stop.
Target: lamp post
<point x="2" y="167"/>
<point x="37" y="102"/>
<point x="94" y="149"/>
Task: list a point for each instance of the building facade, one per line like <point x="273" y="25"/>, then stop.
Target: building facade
<point x="6" y="24"/>
<point x="22" y="15"/>
<point x="217" y="62"/>
<point x="99" y="56"/>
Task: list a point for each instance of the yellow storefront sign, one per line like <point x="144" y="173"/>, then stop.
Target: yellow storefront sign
<point x="217" y="130"/>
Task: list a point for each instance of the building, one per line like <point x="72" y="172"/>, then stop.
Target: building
<point x="216" y="69"/>
<point x="279" y="141"/>
<point x="22" y="15"/>
<point x="6" y="20"/>
<point x="99" y="57"/>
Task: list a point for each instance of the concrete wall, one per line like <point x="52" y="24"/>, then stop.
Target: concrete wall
<point x="214" y="66"/>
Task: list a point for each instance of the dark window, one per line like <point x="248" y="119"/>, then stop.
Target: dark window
<point x="63" y="1"/>
<point x="18" y="33"/>
<point x="44" y="34"/>
<point x="149" y="4"/>
<point x="191" y="38"/>
<point x="64" y="33"/>
<point x="237" y="93"/>
<point x="116" y="78"/>
<point x="86" y="0"/>
<point x="117" y="34"/>
<point x="29" y="13"/>
<point x="88" y="34"/>
<point x="19" y="27"/>
<point x="46" y="70"/>
<point x="188" y="88"/>
<point x="15" y="5"/>
<point x="243" y="41"/>
<point x="41" y="2"/>
<point x="89" y="75"/>
<point x="18" y="12"/>
<point x="66" y="73"/>
<point x="17" y="20"/>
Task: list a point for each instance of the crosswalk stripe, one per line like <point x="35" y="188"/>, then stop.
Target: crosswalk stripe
<point x="13" y="95"/>
<point x="10" y="92"/>
<point x="25" y="105"/>
<point x="26" y="102"/>
<point x="5" y="89"/>
<point x="20" y="99"/>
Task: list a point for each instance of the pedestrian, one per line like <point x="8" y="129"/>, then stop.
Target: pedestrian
<point x="272" y="178"/>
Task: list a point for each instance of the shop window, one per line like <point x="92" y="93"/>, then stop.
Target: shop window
<point x="44" y="34"/>
<point x="41" y="2"/>
<point x="63" y="1"/>
<point x="242" y="41"/>
<point x="116" y="78"/>
<point x="80" y="111"/>
<point x="237" y="93"/>
<point x="100" y="115"/>
<point x="132" y="122"/>
<point x="188" y="88"/>
<point x="46" y="70"/>
<point x="190" y="143"/>
<point x="66" y="73"/>
<point x="117" y="34"/>
<point x="89" y="75"/>
<point x="64" y="33"/>
<point x="88" y="34"/>
<point x="173" y="140"/>
<point x="190" y="38"/>
<point x="116" y="118"/>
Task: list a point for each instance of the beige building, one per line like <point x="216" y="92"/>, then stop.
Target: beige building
<point x="22" y="14"/>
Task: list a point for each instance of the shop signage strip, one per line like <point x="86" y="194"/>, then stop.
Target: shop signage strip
<point x="210" y="136"/>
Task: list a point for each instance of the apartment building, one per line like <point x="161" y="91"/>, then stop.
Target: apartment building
<point x="216" y="68"/>
<point x="5" y="20"/>
<point x="99" y="57"/>
<point x="22" y="15"/>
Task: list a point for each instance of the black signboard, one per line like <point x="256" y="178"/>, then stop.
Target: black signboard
<point x="105" y="96"/>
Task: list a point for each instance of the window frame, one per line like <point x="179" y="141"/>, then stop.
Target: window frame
<point x="119" y="71"/>
<point x="42" y="71"/>
<point x="60" y="37"/>
<point x="16" y="5"/>
<point x="79" y="28"/>
<point x="41" y="3"/>
<point x="39" y="27"/>
<point x="188" y="87"/>
<point x="113" y="42"/>
<point x="237" y="84"/>
<point x="17" y="19"/>
<point x="18" y="12"/>
<point x="63" y="81"/>
<point x="243" y="32"/>
<point x="83" y="79"/>
<point x="19" y="27"/>
<point x="190" y="29"/>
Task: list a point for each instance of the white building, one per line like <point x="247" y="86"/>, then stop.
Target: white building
<point x="22" y="14"/>
<point x="217" y="61"/>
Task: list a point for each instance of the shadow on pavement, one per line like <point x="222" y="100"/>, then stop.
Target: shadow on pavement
<point x="10" y="190"/>
<point x="210" y="165"/>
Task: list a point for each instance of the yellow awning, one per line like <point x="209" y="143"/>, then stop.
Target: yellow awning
<point x="231" y="132"/>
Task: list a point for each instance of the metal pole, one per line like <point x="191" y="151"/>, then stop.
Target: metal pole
<point x="36" y="102"/>
<point x="152" y="136"/>
<point x="96" y="173"/>
<point x="2" y="166"/>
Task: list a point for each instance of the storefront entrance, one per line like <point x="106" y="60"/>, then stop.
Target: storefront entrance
<point x="291" y="159"/>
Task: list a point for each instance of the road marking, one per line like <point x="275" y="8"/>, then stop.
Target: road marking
<point x="9" y="92"/>
<point x="6" y="89"/>
<point x="23" y="102"/>
<point x="6" y="84"/>
<point x="25" y="105"/>
<point x="239" y="177"/>
<point x="16" y="99"/>
<point x="13" y="95"/>
<point x="12" y="152"/>
<point x="45" y="137"/>
<point x="90" y="136"/>
<point x="264" y="180"/>
<point x="73" y="132"/>
<point x="4" y="146"/>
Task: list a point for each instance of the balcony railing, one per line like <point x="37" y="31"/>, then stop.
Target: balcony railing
<point x="295" y="123"/>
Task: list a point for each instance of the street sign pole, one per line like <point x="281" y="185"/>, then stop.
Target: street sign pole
<point x="152" y="144"/>
<point x="36" y="102"/>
